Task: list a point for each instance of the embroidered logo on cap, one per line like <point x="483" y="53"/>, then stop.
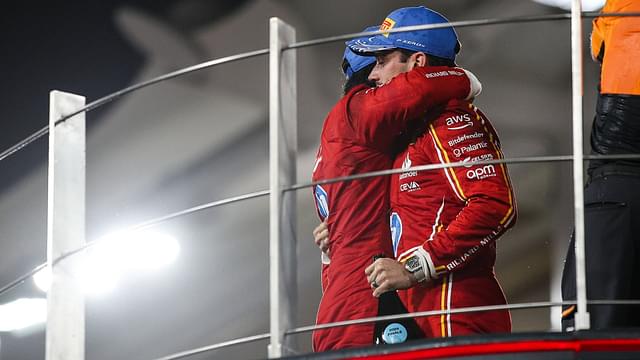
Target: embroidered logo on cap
<point x="387" y="24"/>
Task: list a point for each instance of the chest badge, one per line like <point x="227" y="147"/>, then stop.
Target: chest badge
<point x="395" y="224"/>
<point x="322" y="201"/>
<point x="407" y="162"/>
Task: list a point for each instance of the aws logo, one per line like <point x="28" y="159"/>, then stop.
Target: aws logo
<point x="387" y="24"/>
<point x="459" y="122"/>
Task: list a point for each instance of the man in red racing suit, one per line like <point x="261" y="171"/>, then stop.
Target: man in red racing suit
<point x="454" y="215"/>
<point x="444" y="222"/>
<point x="357" y="137"/>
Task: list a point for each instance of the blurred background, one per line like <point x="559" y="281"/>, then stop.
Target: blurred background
<point x="204" y="137"/>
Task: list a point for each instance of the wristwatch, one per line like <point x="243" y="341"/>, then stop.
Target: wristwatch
<point x="414" y="266"/>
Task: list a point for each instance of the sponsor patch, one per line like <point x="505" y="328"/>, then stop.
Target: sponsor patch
<point x="436" y="74"/>
<point x="478" y="158"/>
<point x="443" y="73"/>
<point x="410" y="186"/>
<point x="408" y="42"/>
<point x="408" y="174"/>
<point x="465" y="137"/>
<point x="480" y="173"/>
<point x="395" y="225"/>
<point x="465" y="256"/>
<point x="407" y="162"/>
<point x="466" y="149"/>
<point x="405" y="165"/>
<point x="387" y="24"/>
<point x="458" y="122"/>
<point x="322" y="202"/>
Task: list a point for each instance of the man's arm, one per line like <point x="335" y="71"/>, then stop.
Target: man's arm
<point x="490" y="207"/>
<point x="321" y="238"/>
<point x="379" y="114"/>
<point x="488" y="212"/>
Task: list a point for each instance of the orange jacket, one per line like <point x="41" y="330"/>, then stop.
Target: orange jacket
<point x="615" y="41"/>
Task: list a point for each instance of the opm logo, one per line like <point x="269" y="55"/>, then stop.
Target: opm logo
<point x="481" y="172"/>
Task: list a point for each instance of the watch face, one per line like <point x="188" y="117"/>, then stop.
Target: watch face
<point x="412" y="264"/>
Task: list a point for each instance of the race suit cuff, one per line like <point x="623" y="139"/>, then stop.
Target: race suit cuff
<point x="475" y="87"/>
<point x="325" y="258"/>
<point x="427" y="264"/>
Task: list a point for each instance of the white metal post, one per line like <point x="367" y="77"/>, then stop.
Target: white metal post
<point x="283" y="144"/>
<point x="581" y="316"/>
<point x="65" y="227"/>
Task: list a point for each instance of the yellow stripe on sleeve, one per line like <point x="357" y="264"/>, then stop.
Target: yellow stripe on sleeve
<point x="447" y="161"/>
<point x="504" y="171"/>
<point x="508" y="183"/>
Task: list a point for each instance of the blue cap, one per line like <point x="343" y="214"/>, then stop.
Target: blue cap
<point x="441" y="42"/>
<point x="352" y="62"/>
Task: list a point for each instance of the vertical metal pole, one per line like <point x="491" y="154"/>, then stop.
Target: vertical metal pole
<point x="581" y="316"/>
<point x="283" y="144"/>
<point x="65" y="227"/>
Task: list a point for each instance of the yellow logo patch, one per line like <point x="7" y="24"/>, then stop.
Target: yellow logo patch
<point x="387" y="24"/>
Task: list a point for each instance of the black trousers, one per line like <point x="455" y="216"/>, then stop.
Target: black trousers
<point x="612" y="245"/>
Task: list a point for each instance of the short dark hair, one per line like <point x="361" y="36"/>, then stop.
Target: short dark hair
<point x="359" y="77"/>
<point x="433" y="60"/>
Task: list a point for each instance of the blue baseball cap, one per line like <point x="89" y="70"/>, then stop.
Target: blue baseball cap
<point x="441" y="42"/>
<point x="352" y="62"/>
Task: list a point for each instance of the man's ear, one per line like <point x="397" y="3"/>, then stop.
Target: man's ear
<point x="419" y="59"/>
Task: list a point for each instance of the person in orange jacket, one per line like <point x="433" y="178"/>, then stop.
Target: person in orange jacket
<point x="612" y="198"/>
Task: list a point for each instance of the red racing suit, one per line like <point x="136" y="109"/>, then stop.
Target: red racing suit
<point x="357" y="137"/>
<point x="456" y="215"/>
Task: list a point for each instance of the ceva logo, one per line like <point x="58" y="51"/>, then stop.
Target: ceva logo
<point x="410" y="186"/>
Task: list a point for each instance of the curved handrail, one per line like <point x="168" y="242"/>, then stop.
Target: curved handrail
<point x="181" y="72"/>
<point x="519" y="160"/>
<point x="470" y="309"/>
<point x="209" y="205"/>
